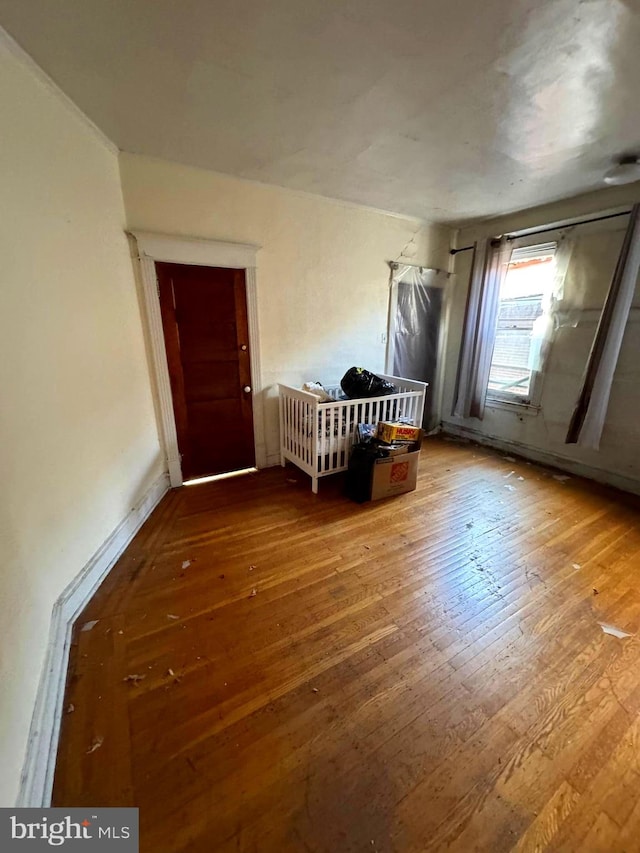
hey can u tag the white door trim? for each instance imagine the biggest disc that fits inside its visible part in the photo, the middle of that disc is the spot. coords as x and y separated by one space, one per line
197 252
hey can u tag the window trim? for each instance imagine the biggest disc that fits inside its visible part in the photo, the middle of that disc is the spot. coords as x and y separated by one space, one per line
519 408
507 400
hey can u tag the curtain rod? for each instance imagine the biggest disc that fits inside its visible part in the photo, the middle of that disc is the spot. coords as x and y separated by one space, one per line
394 265
551 228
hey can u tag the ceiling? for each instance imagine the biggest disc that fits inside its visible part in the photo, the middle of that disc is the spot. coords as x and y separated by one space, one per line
447 110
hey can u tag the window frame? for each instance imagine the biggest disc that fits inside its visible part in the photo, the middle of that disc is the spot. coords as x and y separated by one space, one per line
529 404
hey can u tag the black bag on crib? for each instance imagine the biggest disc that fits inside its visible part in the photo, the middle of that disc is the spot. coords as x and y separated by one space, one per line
358 382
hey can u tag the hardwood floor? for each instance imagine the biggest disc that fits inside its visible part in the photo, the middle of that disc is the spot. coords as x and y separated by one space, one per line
419 674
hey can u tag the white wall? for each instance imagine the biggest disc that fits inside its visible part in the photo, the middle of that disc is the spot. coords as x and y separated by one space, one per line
591 268
322 275
78 438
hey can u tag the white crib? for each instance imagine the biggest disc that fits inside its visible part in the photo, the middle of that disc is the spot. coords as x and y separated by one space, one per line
317 437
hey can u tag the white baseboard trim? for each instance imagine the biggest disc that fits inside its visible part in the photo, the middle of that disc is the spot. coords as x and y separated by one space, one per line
545 457
37 776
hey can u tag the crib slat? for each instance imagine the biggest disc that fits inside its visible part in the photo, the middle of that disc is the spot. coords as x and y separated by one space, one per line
323 438
313 438
334 426
296 431
304 422
327 439
326 414
295 426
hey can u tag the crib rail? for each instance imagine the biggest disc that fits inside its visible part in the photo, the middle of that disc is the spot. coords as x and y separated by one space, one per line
298 441
317 437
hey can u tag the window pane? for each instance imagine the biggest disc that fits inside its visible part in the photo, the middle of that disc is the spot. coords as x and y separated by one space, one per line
522 300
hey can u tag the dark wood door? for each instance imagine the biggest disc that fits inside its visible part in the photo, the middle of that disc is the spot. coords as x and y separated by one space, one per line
206 333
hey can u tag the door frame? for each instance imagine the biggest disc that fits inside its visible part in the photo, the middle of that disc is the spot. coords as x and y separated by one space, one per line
194 251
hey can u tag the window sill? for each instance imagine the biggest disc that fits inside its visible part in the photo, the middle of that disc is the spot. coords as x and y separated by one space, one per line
516 407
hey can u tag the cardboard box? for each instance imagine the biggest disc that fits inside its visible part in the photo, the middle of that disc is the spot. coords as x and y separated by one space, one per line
390 431
394 475
379 470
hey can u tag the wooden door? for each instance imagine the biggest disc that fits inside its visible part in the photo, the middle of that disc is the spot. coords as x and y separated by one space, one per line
206 333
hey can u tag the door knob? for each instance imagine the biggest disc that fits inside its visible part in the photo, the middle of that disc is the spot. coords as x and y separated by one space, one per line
243 347
247 389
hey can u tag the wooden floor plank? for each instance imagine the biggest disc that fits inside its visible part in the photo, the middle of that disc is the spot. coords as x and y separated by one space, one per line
419 674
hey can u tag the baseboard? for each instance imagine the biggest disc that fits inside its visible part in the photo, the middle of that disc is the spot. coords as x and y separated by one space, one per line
37 775
554 460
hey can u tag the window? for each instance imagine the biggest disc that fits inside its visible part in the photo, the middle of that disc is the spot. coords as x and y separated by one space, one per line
525 297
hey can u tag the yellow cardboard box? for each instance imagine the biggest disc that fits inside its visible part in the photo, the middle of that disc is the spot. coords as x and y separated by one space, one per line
390 431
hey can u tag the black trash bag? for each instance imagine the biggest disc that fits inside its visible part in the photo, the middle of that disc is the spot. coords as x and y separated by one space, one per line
358 382
359 474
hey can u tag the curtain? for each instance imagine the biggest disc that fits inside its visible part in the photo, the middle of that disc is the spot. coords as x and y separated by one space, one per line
547 324
589 414
489 268
416 307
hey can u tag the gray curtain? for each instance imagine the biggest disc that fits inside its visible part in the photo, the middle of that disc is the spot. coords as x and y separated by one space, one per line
489 268
590 412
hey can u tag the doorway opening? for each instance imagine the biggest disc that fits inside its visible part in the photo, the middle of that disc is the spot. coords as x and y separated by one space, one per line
206 336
